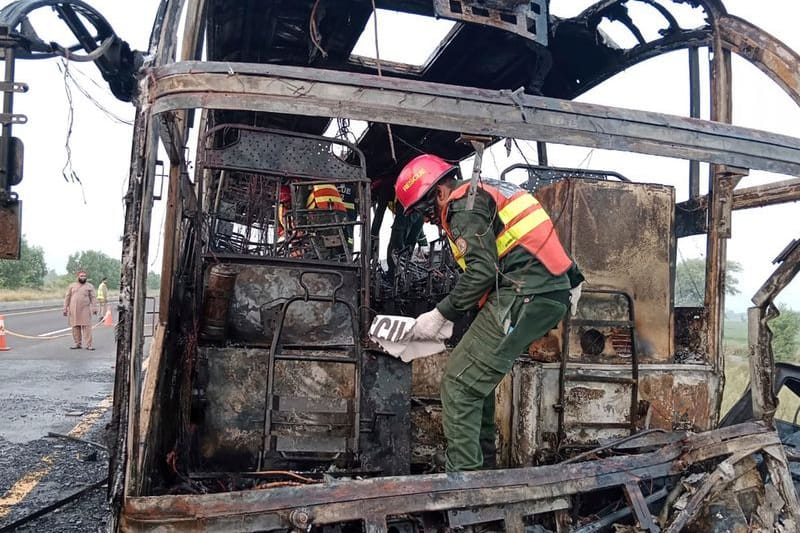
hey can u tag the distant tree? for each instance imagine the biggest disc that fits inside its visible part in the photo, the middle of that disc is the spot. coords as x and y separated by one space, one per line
28 271
690 285
97 266
153 280
785 328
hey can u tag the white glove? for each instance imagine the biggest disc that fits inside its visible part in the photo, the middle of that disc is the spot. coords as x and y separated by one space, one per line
574 297
430 326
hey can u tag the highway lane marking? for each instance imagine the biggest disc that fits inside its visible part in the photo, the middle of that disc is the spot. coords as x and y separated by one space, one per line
49 310
86 423
29 481
54 332
24 486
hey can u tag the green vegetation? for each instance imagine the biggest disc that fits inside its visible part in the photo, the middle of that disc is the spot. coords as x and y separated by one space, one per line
690 275
30 279
153 281
786 334
28 272
786 338
97 266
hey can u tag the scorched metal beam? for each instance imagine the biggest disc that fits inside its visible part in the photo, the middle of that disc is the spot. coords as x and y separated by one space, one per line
304 91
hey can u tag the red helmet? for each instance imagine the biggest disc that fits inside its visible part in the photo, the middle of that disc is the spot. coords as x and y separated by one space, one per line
418 177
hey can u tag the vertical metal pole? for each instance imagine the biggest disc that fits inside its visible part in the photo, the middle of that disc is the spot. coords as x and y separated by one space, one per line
541 151
716 243
694 112
8 109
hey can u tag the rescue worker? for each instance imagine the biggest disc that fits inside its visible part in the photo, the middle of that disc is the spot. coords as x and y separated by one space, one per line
326 197
515 270
324 205
79 305
406 233
102 297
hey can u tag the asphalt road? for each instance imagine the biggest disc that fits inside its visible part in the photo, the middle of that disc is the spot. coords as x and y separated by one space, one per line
46 387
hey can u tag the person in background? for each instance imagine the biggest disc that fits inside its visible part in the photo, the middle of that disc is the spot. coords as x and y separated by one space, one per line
79 304
407 234
102 297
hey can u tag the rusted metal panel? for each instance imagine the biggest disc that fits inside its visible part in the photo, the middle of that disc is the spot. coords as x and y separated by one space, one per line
263 286
233 396
621 236
679 400
427 434
230 390
427 375
274 88
11 234
670 397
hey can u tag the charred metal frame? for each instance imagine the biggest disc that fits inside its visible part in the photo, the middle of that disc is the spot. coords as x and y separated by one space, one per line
279 89
565 377
171 89
521 491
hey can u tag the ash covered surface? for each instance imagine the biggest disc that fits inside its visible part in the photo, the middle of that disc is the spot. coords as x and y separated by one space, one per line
67 467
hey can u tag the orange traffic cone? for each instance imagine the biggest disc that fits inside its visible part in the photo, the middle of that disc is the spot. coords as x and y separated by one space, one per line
108 320
3 346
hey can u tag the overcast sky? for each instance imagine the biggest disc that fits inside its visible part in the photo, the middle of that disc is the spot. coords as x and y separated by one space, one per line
65 217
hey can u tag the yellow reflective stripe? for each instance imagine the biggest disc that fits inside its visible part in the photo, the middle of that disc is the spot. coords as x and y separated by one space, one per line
457 255
517 206
349 205
332 199
511 235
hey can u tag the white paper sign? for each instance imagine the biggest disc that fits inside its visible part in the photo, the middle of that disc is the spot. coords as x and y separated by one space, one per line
389 330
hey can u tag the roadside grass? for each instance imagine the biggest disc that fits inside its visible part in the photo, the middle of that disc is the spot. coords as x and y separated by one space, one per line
17 295
49 293
737 372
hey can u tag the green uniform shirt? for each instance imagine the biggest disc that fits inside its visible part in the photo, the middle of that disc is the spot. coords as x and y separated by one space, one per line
519 271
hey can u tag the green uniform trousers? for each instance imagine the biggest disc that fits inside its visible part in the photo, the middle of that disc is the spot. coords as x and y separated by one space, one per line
503 329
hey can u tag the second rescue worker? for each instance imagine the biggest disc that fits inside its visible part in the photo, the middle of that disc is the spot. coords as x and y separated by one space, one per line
515 269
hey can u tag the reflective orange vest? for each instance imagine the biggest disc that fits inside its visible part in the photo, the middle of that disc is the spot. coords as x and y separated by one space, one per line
325 197
284 203
525 223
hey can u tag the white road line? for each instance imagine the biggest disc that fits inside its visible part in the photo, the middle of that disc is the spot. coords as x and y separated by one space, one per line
56 332
48 310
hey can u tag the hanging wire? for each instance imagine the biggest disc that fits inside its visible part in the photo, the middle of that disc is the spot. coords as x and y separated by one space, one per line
110 114
67 171
587 159
521 152
313 31
380 75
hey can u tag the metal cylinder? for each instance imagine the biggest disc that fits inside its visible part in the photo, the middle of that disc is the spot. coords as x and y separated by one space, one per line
216 300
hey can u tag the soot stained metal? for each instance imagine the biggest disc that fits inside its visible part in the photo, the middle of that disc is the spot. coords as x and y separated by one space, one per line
265 406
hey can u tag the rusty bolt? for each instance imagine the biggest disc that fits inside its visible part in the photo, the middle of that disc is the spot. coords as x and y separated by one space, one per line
301 519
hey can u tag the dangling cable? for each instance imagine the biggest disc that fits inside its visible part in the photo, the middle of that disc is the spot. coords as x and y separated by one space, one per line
380 75
67 171
313 31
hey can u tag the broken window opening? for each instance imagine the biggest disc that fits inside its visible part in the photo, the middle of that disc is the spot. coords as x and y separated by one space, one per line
395 31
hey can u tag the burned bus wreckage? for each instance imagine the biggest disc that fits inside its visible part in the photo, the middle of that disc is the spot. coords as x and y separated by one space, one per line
264 406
